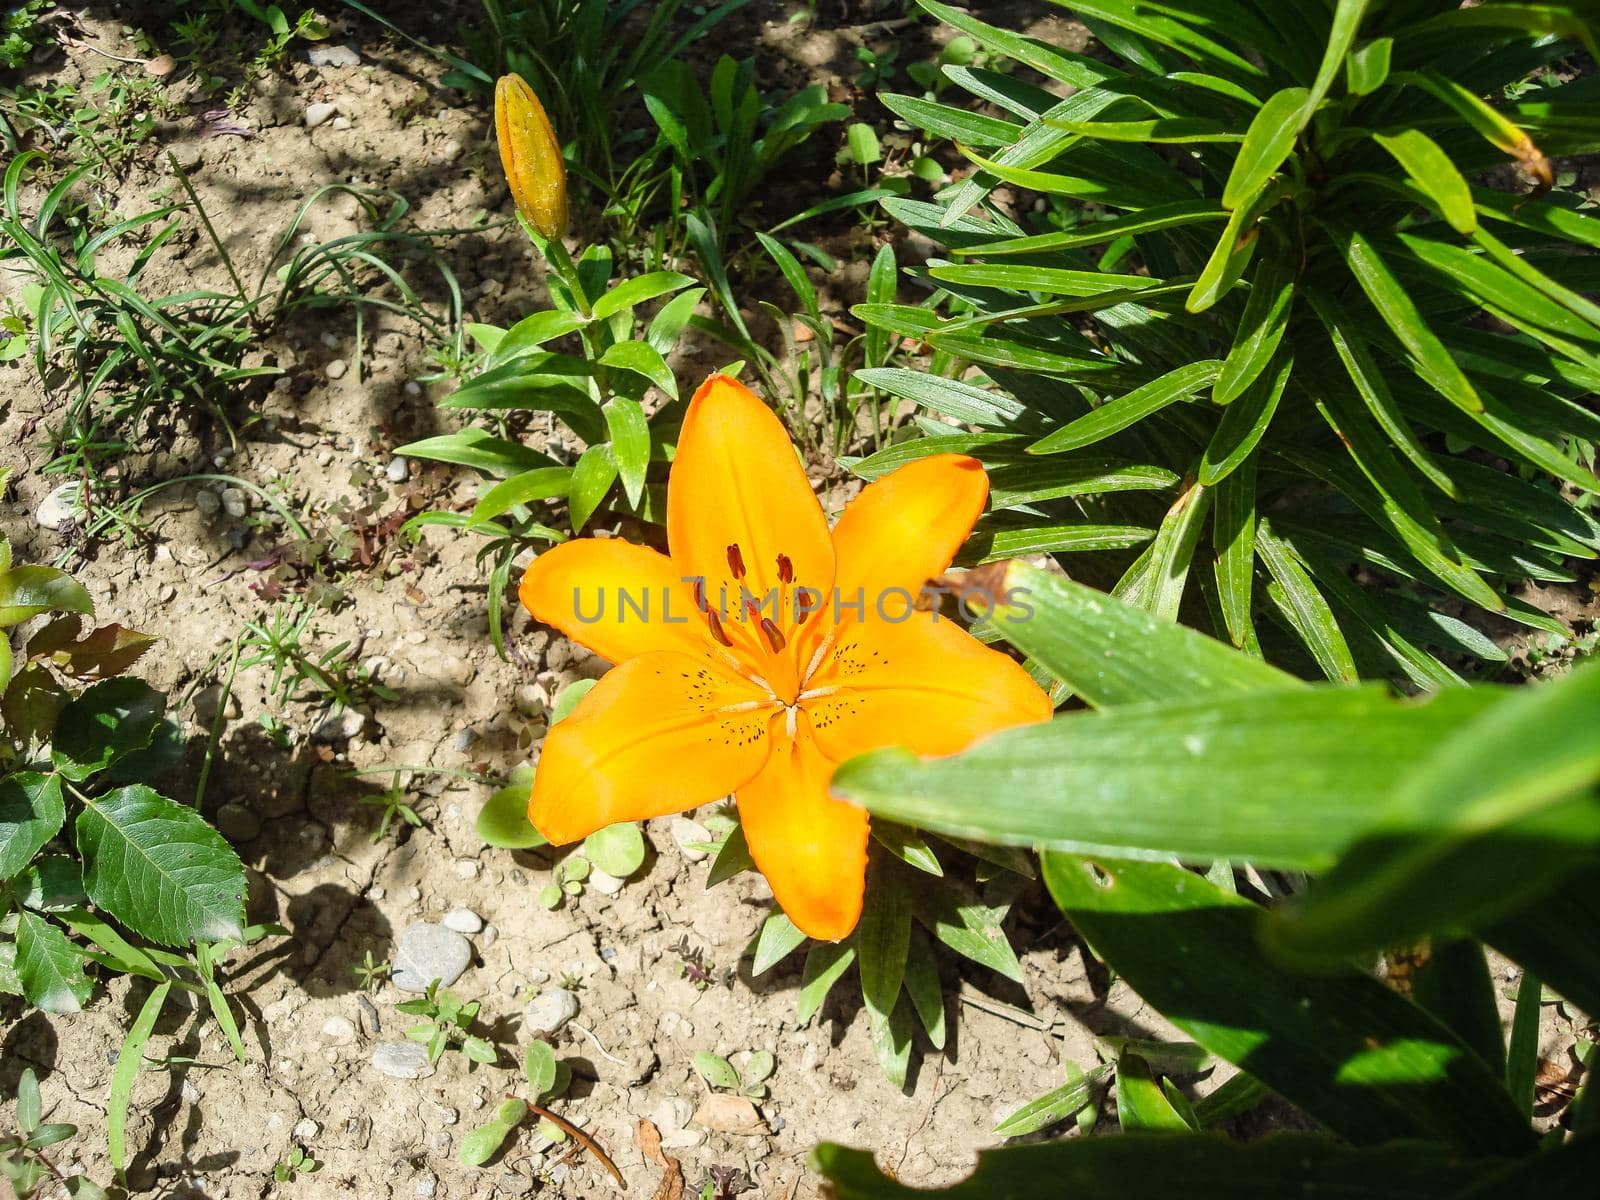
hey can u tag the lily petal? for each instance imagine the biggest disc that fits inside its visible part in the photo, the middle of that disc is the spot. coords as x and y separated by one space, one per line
594 589
736 482
662 733
924 684
811 847
904 529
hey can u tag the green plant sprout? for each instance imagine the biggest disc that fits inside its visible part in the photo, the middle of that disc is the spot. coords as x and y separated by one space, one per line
23 1161
749 1081
298 1163
447 1025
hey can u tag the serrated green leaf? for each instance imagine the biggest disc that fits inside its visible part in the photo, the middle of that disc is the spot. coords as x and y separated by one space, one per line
105 722
49 966
29 590
159 869
31 813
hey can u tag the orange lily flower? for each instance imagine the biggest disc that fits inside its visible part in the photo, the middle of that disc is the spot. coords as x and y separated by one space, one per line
767 651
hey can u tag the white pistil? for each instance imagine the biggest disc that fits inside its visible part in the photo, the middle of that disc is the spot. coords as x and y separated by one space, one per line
791 716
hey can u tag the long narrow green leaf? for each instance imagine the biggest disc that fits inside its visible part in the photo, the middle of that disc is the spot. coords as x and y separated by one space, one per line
1267 143
130 1057
1368 1064
1114 653
1432 360
1430 167
1498 813
1197 1166
1304 607
1234 539
1290 779
1266 316
1130 408
1244 423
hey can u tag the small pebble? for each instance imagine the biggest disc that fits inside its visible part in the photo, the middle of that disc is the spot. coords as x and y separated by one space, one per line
305 1130
468 868
340 726
397 470
606 885
206 501
337 368
463 920
317 114
686 833
332 56
427 952
489 937
402 1060
339 1030
234 502
548 1012
61 507
427 1184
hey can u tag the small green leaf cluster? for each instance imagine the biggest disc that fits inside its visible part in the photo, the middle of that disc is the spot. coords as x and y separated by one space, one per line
297 1164
1274 329
749 1080
22 1160
447 1025
548 1077
909 898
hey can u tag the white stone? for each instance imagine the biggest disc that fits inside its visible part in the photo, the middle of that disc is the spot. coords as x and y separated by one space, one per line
305 1130
686 833
337 368
317 114
548 1012
463 920
339 1030
397 470
606 885
62 507
332 56
340 726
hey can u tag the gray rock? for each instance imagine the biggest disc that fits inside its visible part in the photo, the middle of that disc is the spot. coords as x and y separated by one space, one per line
234 502
332 56
208 700
340 726
402 1060
606 885
61 507
686 833
238 823
337 368
427 1184
397 470
207 502
318 114
548 1012
463 920
427 952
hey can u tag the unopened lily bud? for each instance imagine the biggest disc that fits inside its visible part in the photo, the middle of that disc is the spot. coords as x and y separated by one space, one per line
531 155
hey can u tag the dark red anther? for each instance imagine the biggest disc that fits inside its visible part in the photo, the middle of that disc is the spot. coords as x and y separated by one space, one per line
773 634
700 594
717 630
735 561
752 610
785 569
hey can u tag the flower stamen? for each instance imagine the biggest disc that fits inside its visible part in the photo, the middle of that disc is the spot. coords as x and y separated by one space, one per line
735 561
785 569
717 631
773 634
